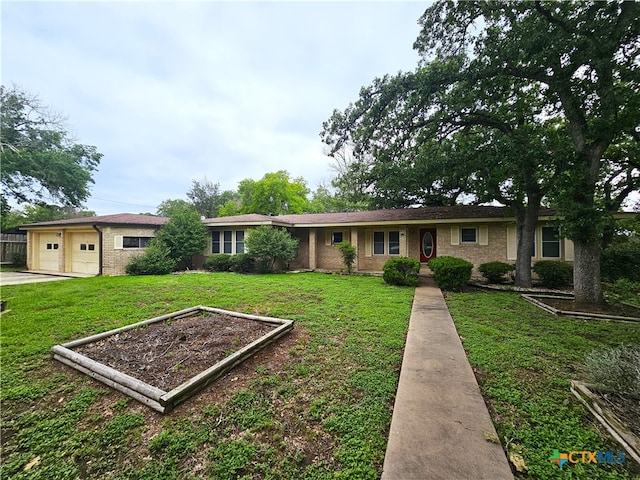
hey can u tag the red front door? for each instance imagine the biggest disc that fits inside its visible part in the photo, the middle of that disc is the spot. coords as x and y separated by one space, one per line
427 244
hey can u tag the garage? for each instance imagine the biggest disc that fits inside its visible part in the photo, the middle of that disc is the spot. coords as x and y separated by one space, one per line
48 252
84 256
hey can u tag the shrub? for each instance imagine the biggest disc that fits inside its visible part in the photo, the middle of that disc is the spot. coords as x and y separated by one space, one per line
267 245
218 263
401 271
348 253
185 235
494 272
623 290
554 273
621 260
616 369
242 263
451 273
156 260
19 259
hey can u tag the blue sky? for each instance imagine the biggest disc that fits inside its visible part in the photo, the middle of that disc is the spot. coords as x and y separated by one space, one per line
170 92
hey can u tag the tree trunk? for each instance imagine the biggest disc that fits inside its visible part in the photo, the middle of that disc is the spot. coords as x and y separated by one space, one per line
526 221
587 285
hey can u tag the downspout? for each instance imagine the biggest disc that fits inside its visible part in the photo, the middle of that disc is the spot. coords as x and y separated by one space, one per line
95 227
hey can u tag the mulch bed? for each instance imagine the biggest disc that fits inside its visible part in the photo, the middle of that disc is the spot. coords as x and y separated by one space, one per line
168 353
568 305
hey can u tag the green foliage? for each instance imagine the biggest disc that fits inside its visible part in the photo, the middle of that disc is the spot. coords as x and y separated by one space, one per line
19 259
494 272
219 262
554 273
268 245
171 208
242 263
451 273
616 369
401 271
155 260
206 198
185 235
348 253
39 160
623 291
12 218
274 194
621 260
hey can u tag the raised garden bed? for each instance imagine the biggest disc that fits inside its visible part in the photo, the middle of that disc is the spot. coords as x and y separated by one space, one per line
563 305
616 423
164 360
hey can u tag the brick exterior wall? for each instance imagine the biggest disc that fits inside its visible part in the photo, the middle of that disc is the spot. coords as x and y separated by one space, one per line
115 260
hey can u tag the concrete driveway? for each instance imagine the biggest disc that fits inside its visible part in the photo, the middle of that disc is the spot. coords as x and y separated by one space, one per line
17 278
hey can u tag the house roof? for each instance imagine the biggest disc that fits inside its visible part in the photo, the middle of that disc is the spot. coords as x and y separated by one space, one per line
116 219
371 217
400 215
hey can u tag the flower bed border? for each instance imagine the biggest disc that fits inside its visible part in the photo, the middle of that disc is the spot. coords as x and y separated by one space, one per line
533 299
626 438
156 398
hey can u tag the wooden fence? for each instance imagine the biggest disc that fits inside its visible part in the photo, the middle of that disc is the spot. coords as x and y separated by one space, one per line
12 244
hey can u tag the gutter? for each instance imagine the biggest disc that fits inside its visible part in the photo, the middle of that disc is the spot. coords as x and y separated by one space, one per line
95 227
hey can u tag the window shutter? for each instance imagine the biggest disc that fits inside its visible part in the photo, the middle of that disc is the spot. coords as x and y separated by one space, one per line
568 250
512 243
327 237
368 250
483 235
117 242
403 242
455 235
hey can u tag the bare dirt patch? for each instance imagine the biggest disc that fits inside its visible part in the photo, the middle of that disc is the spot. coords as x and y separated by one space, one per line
168 353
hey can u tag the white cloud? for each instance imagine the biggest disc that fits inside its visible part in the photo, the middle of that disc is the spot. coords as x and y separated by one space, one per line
171 92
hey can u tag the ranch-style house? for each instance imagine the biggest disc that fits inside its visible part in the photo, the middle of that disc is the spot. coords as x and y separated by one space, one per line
102 245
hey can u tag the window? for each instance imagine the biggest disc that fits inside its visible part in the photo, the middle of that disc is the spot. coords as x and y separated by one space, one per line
239 241
468 235
336 238
91 247
550 242
135 242
227 242
215 242
386 243
83 246
378 243
223 241
394 243
52 246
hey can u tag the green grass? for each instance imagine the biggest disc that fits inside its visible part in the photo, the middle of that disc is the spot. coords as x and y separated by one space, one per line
525 359
322 413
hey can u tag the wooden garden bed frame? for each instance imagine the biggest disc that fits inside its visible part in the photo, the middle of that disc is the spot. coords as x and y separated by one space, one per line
154 397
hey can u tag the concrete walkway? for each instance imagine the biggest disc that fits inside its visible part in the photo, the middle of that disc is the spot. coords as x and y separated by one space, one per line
440 422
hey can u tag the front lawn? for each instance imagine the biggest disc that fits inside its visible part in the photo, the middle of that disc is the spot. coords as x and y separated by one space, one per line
316 405
524 359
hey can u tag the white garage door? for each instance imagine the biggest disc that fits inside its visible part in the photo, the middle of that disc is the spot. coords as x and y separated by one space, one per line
84 253
48 252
